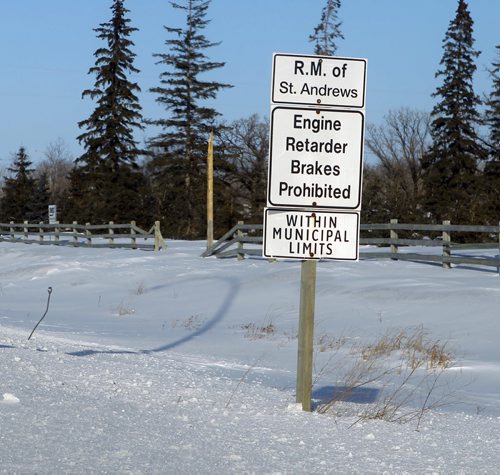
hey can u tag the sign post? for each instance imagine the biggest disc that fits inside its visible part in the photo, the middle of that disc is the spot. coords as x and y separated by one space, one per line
314 177
306 334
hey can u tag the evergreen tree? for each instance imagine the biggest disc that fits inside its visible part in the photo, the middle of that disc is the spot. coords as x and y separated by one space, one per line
106 181
18 190
492 168
180 149
39 200
450 168
328 30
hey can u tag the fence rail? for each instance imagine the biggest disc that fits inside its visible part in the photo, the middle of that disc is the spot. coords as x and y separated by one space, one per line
83 235
246 239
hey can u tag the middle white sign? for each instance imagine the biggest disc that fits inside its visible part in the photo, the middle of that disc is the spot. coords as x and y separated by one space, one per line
315 158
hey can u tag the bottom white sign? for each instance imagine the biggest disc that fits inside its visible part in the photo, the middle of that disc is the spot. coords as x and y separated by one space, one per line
311 234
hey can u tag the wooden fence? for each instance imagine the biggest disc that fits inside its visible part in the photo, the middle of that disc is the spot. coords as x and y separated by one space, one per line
246 239
83 235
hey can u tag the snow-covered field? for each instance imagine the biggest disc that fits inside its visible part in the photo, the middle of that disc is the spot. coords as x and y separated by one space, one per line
152 363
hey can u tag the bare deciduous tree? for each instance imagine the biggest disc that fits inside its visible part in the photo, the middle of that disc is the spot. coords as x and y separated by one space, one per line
57 165
246 143
398 146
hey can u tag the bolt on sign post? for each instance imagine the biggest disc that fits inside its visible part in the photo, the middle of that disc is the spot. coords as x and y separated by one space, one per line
210 191
314 176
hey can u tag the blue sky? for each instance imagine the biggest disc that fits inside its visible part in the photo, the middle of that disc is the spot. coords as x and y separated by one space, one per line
48 47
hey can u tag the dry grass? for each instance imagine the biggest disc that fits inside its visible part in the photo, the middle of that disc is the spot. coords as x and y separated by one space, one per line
257 332
405 367
122 310
141 289
193 322
327 342
415 348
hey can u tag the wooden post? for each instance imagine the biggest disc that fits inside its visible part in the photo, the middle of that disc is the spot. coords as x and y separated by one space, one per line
111 231
56 232
210 191
306 334
132 234
446 246
25 230
88 234
12 232
498 268
75 235
158 237
394 235
240 253
40 231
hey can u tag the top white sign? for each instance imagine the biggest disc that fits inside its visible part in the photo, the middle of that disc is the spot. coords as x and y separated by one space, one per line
319 80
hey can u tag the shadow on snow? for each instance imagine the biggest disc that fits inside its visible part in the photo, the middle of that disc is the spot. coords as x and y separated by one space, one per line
220 313
361 395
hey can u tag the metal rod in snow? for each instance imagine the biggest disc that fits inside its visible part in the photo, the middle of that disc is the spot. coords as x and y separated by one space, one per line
49 290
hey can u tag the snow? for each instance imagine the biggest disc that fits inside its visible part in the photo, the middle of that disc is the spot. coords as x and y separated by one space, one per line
159 363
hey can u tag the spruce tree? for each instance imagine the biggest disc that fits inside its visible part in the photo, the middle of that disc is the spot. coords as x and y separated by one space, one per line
106 181
180 148
328 30
39 201
493 110
492 168
19 189
450 168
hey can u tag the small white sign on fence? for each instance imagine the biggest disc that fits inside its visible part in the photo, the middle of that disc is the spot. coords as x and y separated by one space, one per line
52 214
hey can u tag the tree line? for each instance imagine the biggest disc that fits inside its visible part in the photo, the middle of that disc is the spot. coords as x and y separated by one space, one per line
428 166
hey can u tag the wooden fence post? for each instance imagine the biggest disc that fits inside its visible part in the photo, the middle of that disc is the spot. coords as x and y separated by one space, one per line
56 231
158 237
132 234
210 191
111 232
498 268
394 235
12 232
40 231
88 234
75 236
25 230
446 246
240 253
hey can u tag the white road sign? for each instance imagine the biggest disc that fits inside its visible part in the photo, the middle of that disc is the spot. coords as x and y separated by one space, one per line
315 158
319 80
52 214
311 234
